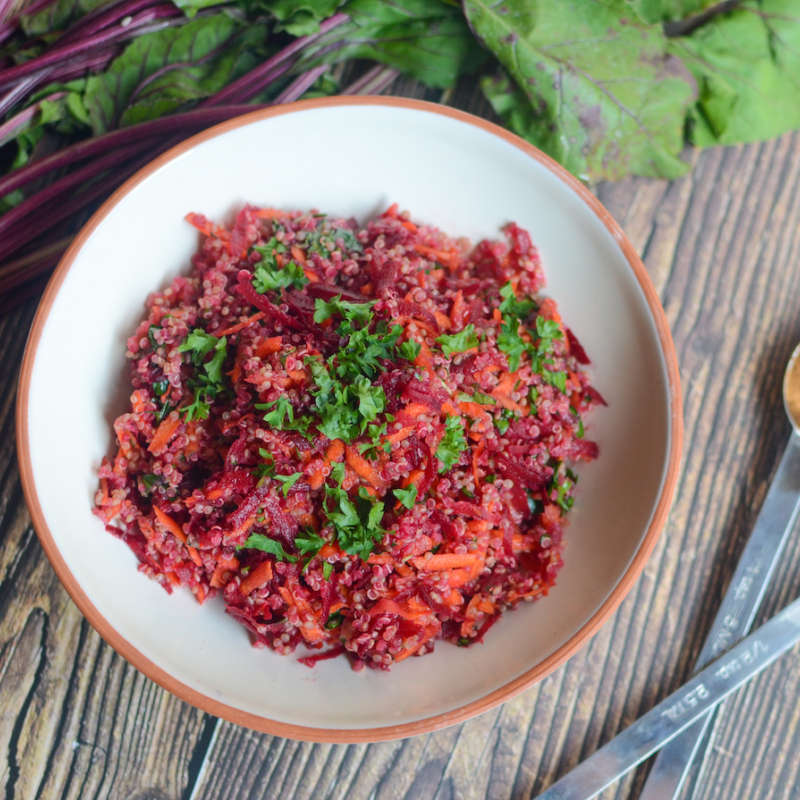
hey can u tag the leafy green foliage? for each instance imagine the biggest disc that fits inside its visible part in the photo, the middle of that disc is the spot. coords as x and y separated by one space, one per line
427 39
406 496
57 15
596 90
287 481
161 71
257 541
208 381
562 484
357 522
747 66
280 414
309 543
458 342
345 395
453 443
515 312
268 276
409 349
297 17
663 10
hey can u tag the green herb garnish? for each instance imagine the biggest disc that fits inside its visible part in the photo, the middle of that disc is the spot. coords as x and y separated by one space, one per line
406 496
453 443
257 541
458 342
208 380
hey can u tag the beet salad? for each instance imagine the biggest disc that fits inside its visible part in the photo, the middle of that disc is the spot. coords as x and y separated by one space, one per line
360 437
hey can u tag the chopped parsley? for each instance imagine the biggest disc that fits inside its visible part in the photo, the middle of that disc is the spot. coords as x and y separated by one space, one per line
268 276
515 312
160 387
563 481
151 336
208 381
505 419
406 496
357 522
513 307
288 481
409 349
324 240
346 396
327 570
557 379
548 330
335 619
280 415
370 449
150 481
257 541
458 342
309 543
453 443
580 431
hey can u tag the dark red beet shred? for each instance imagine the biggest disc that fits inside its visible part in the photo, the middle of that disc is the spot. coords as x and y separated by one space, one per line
359 437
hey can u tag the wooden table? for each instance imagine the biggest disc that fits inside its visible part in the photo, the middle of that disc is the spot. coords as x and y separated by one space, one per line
722 246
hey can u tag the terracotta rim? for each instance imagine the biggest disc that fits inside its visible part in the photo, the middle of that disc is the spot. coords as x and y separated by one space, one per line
503 693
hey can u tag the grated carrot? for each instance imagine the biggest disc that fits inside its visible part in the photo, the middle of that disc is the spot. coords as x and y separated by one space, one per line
260 576
445 561
240 325
268 346
164 433
170 524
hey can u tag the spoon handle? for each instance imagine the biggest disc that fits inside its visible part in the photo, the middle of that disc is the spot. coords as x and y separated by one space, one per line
736 612
678 711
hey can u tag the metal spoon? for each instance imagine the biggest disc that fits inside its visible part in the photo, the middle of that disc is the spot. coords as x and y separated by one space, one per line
734 618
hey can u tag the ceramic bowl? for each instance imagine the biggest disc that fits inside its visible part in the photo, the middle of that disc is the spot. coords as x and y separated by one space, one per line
347 157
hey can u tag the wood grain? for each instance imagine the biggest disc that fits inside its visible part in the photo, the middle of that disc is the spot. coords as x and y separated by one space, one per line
722 246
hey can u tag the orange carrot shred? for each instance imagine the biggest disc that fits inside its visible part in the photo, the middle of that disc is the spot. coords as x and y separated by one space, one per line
260 576
164 433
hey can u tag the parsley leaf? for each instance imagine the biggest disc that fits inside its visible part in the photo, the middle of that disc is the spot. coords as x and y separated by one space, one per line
453 443
290 276
547 330
257 541
458 342
409 349
199 344
327 570
562 483
557 379
280 415
335 619
356 523
406 496
309 543
511 343
354 313
371 397
505 419
511 306
268 276
277 411
345 395
210 382
288 481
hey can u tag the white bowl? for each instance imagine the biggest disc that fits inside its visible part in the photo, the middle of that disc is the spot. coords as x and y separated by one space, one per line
346 156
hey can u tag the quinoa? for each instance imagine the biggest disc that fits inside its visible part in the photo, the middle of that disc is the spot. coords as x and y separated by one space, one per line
360 437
